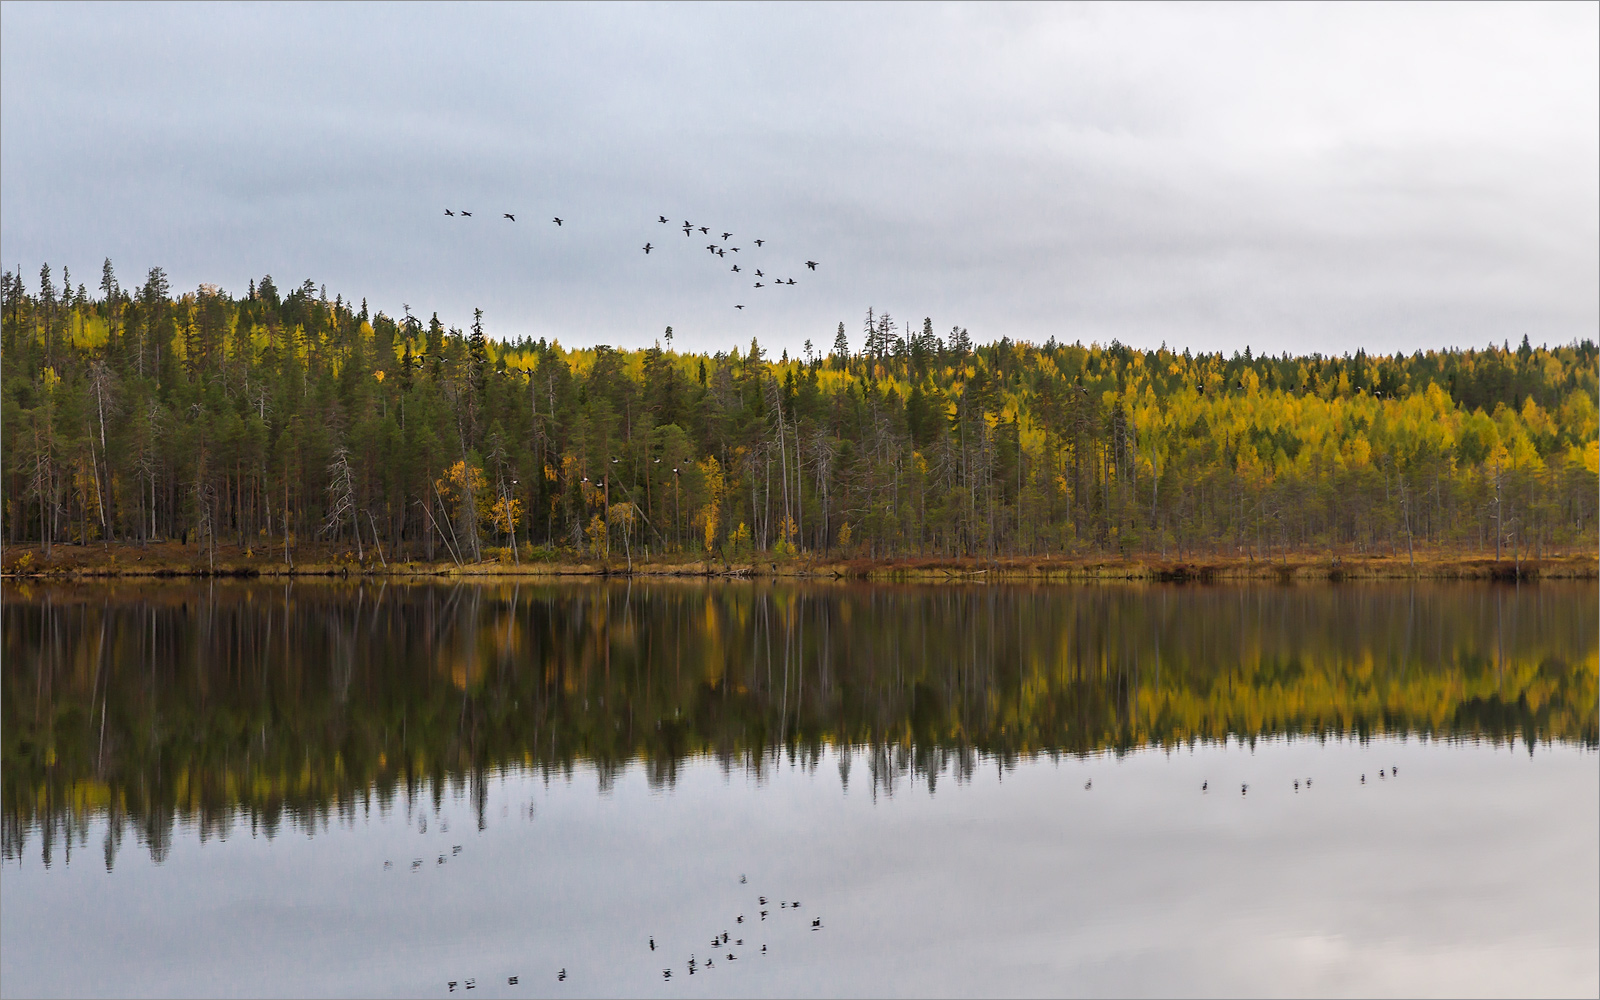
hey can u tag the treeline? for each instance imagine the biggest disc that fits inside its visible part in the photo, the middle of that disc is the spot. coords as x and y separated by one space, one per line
267 420
292 703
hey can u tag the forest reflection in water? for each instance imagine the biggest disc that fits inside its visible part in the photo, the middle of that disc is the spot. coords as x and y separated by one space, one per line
155 704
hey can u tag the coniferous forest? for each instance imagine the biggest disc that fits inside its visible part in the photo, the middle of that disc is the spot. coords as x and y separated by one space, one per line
274 420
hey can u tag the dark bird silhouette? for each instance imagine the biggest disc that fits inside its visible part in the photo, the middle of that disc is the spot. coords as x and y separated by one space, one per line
1392 772
724 937
1243 789
816 924
739 942
663 219
739 919
762 900
556 220
703 229
789 282
738 307
508 215
726 235
1308 782
759 242
722 253
759 274
652 943
666 973
1203 785
730 956
455 850
811 264
687 229
763 949
741 880
561 976
1380 774
466 213
759 285
449 213
736 268
1363 779
1297 785
1088 784
763 914
648 248
795 904
511 980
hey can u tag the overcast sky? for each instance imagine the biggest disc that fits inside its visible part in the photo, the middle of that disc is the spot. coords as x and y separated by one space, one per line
1291 177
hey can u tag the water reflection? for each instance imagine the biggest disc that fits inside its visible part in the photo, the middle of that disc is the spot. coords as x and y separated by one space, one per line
150 705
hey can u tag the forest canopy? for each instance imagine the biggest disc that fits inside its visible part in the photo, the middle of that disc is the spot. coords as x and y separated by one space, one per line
272 419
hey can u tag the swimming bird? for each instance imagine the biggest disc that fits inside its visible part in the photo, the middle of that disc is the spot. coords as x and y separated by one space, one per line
1308 782
711 963
736 268
508 215
1392 772
741 880
449 213
739 919
726 235
466 213
647 248
811 264
795 904
1243 789
556 220
1088 784
652 942
666 973
561 976
724 937
687 229
759 274
739 942
762 900
1380 773
730 956
511 980
789 282
759 242
760 285
763 914
1297 785
783 904
1363 779
734 249
738 307
1203 785
703 229
816 924
721 252
763 949
663 219
455 850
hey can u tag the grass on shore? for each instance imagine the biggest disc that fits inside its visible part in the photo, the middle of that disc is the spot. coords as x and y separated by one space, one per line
163 559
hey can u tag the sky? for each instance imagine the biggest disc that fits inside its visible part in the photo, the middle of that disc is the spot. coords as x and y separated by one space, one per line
1288 177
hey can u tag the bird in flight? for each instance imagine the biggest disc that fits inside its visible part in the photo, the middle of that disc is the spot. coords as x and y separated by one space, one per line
759 242
722 253
759 285
734 249
736 268
738 307
647 248
663 219
508 215
759 274
449 213
789 282
556 220
466 213
811 264
703 229
726 235
711 247
687 229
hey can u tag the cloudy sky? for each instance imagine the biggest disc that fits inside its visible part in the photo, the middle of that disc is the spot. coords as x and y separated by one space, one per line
1294 177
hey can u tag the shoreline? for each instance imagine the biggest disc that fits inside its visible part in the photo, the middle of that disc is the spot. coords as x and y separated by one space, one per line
115 561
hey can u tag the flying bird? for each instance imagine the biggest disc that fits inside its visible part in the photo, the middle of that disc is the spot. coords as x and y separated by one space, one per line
811 264
663 219
556 220
722 253
758 284
789 282
759 242
508 215
647 248
738 307
726 235
734 249
687 229
736 268
449 213
759 274
466 213
703 229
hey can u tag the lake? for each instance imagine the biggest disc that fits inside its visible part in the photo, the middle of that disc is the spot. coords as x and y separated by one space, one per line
504 789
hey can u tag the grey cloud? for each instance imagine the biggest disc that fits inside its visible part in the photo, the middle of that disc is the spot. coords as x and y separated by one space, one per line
1291 178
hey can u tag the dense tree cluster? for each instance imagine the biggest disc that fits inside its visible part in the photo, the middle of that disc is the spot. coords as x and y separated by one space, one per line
272 418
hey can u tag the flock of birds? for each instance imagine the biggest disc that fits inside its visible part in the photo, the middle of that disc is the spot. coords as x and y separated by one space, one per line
723 943
719 247
1244 788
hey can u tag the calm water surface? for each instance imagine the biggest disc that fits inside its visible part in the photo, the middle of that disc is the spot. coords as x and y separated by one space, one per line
323 789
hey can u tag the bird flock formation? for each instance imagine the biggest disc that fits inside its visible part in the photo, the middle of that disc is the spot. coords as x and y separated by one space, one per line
726 946
719 247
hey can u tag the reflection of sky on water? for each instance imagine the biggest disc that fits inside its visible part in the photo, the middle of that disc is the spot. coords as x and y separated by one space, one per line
1473 872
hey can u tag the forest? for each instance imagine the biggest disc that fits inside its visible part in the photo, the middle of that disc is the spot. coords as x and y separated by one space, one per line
269 422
